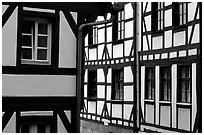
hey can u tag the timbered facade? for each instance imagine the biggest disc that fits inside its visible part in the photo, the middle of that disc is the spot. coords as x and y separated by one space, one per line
40 65
170 67
109 87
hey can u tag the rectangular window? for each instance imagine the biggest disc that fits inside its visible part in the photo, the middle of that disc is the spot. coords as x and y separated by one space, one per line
117 84
118 26
157 16
149 83
165 84
36 41
184 83
93 36
180 13
92 84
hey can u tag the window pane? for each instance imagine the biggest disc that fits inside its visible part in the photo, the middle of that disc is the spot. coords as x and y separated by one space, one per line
183 96
26 53
26 40
188 96
42 54
42 41
27 26
42 28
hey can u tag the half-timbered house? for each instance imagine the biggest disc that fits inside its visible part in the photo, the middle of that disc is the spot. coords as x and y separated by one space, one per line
40 65
170 67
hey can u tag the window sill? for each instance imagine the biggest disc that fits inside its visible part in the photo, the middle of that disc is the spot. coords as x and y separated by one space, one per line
183 104
149 101
32 62
165 102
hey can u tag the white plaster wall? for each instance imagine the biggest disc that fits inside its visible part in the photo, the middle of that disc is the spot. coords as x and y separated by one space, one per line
128 11
128 93
118 51
109 47
168 39
101 35
91 107
128 46
109 75
128 75
86 75
196 34
100 51
11 126
67 44
129 29
148 23
117 110
100 91
100 75
38 85
92 54
9 40
167 3
108 96
99 107
168 18
179 38
127 111
157 42
191 10
60 126
85 90
109 34
4 7
145 42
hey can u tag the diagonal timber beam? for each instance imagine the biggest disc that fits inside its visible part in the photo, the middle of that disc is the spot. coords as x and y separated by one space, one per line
6 117
65 121
7 14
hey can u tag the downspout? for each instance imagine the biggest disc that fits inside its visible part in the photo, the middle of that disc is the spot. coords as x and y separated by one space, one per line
80 65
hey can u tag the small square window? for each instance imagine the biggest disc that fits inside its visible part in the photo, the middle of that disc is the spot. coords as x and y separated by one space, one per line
92 84
117 84
36 41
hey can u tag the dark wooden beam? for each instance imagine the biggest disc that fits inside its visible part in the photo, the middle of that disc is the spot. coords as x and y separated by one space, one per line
71 22
65 121
7 14
6 117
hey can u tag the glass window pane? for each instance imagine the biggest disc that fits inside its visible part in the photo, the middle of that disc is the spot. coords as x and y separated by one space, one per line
26 40
26 53
27 26
42 54
42 41
183 96
188 96
42 28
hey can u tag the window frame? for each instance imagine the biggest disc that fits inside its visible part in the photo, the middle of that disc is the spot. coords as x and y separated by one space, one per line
152 80
92 84
35 47
168 80
187 80
117 94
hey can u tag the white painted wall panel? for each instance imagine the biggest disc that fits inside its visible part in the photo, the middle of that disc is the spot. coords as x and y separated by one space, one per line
128 46
92 54
11 126
182 53
196 34
86 75
148 22
117 110
127 111
9 40
128 76
179 38
100 105
86 40
67 44
128 93
85 90
109 34
118 51
109 47
100 91
91 107
165 116
101 35
167 3
150 113
191 10
38 85
4 7
194 95
108 96
145 42
109 76
128 11
168 39
100 51
168 18
184 117
128 29
174 93
60 126
157 42
100 75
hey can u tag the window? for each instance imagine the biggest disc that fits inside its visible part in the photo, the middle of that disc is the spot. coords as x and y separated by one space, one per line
36 124
117 84
184 84
93 36
92 84
36 41
180 13
165 84
118 26
157 16
149 80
